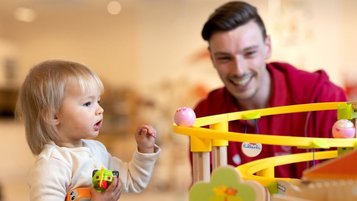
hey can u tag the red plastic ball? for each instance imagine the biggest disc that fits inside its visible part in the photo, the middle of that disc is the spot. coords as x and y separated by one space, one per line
184 116
343 128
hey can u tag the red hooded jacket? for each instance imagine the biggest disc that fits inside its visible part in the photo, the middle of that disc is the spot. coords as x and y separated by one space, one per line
290 86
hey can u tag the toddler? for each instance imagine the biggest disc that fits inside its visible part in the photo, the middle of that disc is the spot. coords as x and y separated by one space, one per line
59 103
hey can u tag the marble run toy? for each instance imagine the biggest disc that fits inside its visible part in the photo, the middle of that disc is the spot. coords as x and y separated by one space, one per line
210 135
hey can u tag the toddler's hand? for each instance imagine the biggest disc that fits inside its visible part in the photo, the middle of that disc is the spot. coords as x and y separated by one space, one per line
112 193
145 138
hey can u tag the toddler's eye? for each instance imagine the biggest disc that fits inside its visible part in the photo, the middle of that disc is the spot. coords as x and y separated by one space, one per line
87 104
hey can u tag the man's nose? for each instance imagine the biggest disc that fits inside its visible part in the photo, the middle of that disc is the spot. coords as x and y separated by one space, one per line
239 65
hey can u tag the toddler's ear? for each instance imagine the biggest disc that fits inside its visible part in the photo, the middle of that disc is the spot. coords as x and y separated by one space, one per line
52 120
49 117
55 120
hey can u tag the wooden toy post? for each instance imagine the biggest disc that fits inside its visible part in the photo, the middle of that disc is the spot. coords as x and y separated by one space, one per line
219 150
201 149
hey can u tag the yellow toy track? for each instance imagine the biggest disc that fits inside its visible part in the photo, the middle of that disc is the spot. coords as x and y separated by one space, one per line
202 139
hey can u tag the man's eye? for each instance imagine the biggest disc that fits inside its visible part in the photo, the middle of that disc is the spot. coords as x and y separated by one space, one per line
87 104
250 53
223 59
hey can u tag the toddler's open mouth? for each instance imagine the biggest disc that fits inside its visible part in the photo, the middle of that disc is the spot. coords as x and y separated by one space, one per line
98 125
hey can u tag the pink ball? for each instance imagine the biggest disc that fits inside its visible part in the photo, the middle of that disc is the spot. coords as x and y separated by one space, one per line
184 116
343 129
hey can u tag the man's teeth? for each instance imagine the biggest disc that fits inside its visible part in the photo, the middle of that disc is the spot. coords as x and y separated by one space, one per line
241 81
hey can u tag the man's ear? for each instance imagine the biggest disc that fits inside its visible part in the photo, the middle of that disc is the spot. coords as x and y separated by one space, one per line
209 52
267 47
211 57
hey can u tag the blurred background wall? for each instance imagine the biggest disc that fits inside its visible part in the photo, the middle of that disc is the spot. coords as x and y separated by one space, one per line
152 60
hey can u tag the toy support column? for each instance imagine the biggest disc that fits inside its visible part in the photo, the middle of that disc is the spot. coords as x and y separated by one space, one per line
219 149
347 111
354 108
201 149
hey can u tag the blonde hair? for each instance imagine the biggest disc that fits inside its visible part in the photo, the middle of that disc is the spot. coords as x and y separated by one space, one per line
42 94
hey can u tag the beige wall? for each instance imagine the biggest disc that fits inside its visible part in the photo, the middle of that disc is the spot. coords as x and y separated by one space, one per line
154 40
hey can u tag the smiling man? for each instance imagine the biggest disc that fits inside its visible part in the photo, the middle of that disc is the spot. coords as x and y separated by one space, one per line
239 47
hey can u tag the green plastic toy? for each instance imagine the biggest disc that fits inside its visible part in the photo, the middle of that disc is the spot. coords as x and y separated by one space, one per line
101 179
